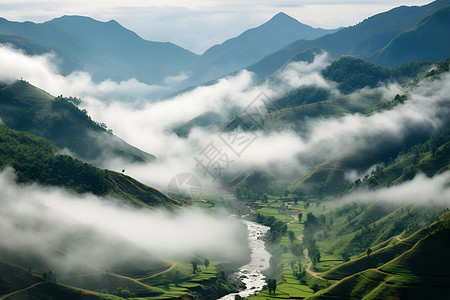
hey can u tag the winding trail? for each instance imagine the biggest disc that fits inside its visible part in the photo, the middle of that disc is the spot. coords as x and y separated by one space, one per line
18 291
159 273
310 271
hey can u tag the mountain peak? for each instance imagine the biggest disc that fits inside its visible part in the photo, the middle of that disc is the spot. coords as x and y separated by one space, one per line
282 17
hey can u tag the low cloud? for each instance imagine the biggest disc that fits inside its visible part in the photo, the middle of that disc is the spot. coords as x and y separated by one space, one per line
420 190
39 218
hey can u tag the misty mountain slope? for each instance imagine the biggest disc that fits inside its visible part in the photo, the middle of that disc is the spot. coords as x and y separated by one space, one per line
35 159
27 108
251 46
429 39
104 49
13 278
416 274
361 40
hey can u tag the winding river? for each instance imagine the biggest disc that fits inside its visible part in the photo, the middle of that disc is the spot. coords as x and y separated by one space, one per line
251 274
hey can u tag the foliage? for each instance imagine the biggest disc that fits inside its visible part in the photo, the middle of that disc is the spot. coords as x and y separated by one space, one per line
36 159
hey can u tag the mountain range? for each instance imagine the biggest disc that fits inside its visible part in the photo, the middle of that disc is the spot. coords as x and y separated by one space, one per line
107 50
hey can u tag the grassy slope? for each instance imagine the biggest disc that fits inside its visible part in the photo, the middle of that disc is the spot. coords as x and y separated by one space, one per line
110 282
35 159
417 273
54 291
13 278
27 108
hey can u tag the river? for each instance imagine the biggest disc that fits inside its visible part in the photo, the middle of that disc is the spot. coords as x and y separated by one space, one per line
251 274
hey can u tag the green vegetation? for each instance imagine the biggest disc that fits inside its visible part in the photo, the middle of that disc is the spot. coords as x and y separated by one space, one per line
26 108
55 291
13 278
415 274
36 159
113 284
352 73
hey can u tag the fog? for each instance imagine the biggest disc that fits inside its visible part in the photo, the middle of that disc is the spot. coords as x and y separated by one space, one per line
147 122
421 190
101 232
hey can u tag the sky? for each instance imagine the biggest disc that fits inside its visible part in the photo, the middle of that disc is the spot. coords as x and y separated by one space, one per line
199 24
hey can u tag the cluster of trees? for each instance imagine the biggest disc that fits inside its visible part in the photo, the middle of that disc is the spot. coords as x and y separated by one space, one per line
49 276
353 73
312 225
277 228
249 193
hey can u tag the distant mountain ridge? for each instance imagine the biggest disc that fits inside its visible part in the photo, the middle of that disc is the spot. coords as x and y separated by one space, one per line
107 50
251 46
104 49
363 39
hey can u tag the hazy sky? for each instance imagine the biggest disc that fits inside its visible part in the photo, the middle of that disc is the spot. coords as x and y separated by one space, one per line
199 24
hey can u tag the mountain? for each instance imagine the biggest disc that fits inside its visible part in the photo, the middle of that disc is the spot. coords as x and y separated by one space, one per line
36 159
104 49
429 38
28 108
361 40
251 46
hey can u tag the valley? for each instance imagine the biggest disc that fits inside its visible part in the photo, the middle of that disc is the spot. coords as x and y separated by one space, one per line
288 162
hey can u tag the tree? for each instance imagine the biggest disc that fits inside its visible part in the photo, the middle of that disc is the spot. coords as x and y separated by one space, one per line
194 267
291 235
300 216
345 257
206 263
368 252
271 285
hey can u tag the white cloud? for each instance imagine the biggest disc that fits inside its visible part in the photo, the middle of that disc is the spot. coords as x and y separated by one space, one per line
421 190
62 214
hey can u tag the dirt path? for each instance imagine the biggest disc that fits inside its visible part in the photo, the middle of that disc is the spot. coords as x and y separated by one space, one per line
398 237
309 268
159 273
15 292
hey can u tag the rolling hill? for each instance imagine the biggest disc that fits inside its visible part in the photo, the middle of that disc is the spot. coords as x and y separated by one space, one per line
416 274
37 160
27 108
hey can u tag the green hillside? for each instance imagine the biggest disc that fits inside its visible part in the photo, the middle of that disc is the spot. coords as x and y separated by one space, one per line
55 291
416 274
27 108
36 159
13 278
429 39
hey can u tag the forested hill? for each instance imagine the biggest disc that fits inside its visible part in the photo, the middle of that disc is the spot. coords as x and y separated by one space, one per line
27 108
35 159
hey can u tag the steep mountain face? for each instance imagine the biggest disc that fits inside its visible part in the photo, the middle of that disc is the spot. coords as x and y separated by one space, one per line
429 39
252 45
361 40
27 108
105 49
